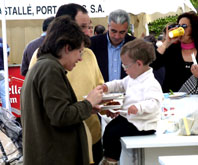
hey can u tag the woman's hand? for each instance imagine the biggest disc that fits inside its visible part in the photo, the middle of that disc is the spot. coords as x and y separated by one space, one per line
95 96
194 70
168 41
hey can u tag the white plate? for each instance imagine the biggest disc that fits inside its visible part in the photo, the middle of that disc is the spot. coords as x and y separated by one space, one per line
177 94
107 107
110 96
120 111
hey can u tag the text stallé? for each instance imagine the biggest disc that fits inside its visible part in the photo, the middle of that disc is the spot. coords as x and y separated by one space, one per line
18 10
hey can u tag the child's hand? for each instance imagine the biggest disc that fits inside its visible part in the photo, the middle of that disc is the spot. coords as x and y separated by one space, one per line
105 88
96 109
132 110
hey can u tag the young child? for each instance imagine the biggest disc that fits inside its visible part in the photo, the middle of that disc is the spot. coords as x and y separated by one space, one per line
143 98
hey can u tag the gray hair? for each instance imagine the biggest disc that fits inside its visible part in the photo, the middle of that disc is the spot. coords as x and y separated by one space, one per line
119 17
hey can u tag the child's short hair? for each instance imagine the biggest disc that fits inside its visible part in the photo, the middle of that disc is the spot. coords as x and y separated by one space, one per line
138 49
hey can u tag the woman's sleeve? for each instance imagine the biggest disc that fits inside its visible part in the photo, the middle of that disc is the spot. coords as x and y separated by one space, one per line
59 100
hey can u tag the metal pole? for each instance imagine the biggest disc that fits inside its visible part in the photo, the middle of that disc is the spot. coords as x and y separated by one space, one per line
5 55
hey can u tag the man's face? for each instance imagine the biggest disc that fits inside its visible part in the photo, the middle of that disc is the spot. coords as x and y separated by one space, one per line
83 21
117 32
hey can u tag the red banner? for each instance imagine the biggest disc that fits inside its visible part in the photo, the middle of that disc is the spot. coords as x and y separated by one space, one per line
15 85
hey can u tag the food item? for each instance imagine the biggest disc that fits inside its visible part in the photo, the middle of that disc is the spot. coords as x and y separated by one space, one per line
113 103
171 92
103 112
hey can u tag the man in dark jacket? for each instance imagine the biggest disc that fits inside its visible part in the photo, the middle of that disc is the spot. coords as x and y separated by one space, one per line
32 46
107 46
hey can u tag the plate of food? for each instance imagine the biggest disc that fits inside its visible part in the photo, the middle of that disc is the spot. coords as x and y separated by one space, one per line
177 94
111 105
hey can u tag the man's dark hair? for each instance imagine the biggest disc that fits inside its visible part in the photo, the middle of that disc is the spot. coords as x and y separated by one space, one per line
99 29
150 38
46 23
70 9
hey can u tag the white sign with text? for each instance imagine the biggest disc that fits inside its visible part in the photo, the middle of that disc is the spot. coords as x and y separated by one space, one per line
34 9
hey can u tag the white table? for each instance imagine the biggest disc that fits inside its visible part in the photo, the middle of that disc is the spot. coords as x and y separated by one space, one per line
145 150
181 160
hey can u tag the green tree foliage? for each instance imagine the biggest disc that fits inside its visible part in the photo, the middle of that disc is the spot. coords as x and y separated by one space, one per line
156 27
194 3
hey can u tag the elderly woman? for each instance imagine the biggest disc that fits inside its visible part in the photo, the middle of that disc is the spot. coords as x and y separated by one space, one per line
53 131
175 53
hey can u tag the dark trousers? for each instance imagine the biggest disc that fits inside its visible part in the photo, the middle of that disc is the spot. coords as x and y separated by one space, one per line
97 149
97 152
117 128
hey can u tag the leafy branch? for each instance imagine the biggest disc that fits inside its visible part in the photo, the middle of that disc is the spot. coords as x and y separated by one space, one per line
156 27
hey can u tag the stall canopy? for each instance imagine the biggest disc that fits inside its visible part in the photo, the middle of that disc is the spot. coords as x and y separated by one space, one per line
150 6
141 11
32 9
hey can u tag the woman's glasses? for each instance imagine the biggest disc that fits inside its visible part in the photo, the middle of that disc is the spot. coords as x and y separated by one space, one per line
183 25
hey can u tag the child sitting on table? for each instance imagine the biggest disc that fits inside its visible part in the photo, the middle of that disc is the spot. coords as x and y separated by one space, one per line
143 98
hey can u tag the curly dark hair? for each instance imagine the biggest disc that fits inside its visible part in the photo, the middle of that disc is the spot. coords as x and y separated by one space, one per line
193 17
62 31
